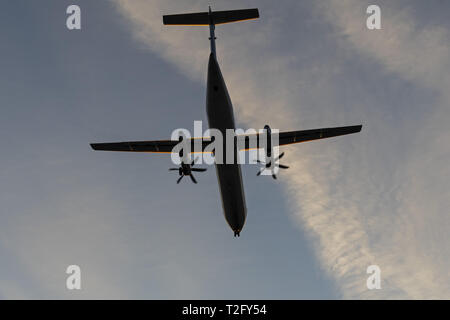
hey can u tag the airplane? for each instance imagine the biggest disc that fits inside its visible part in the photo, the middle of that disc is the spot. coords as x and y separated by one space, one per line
220 116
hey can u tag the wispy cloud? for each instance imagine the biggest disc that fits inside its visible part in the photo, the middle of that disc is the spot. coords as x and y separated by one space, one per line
377 198
414 252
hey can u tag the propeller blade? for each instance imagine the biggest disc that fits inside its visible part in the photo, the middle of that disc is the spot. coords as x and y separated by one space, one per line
192 178
283 166
280 156
198 169
174 169
179 179
259 161
194 161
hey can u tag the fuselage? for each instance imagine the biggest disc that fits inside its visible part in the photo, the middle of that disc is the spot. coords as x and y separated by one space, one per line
219 110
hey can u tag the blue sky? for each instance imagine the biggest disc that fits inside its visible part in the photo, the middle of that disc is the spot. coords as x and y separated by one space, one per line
379 197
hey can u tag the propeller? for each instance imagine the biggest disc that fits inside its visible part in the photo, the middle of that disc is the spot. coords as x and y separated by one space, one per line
267 166
186 169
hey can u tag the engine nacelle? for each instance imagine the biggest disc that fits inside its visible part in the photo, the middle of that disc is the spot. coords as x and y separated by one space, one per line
268 147
270 163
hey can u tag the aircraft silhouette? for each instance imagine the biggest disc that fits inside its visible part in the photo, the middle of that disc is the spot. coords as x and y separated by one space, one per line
220 116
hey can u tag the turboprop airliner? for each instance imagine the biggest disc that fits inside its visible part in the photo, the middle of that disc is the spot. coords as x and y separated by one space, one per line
220 116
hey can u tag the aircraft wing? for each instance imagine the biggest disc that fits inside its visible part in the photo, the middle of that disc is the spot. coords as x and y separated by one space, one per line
166 146
157 146
291 137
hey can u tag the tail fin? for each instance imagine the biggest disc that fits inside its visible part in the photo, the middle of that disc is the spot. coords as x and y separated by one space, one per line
210 18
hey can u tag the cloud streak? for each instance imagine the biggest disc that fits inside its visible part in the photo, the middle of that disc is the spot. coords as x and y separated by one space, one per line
359 205
417 262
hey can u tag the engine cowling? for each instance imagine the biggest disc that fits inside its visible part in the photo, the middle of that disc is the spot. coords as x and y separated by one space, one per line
270 162
268 148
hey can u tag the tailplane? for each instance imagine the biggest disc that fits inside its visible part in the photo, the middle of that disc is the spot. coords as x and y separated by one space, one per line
211 17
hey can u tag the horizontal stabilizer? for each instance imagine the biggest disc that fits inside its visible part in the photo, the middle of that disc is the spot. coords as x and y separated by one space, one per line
207 18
